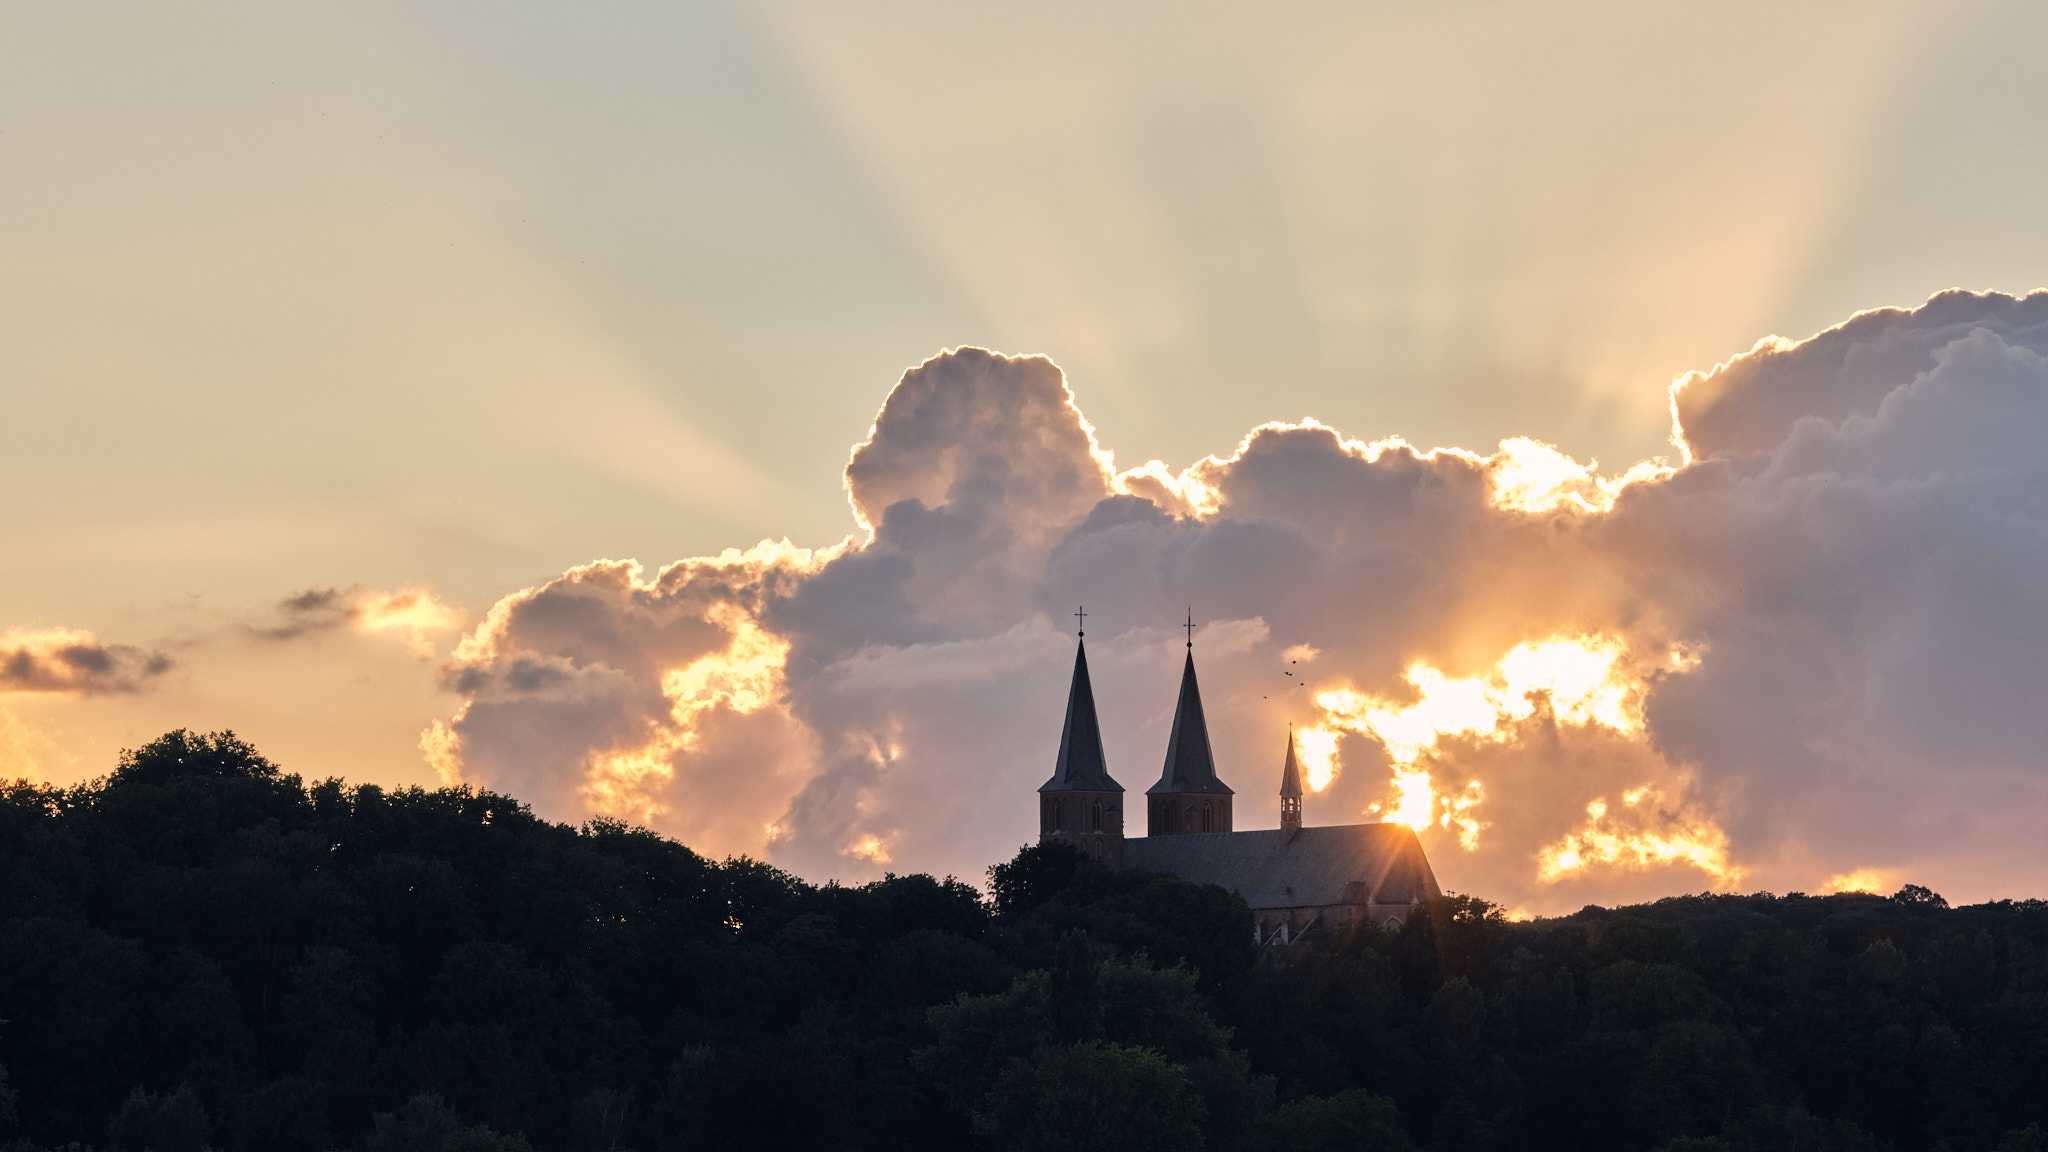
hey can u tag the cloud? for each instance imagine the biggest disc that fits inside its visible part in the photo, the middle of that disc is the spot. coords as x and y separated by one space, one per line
1870 593
69 662
1805 650
1750 405
660 700
413 614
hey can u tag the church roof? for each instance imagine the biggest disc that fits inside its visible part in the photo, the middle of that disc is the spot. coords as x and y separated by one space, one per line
1081 766
1314 867
1189 766
1290 773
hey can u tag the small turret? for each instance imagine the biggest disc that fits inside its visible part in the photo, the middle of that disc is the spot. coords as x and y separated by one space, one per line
1290 790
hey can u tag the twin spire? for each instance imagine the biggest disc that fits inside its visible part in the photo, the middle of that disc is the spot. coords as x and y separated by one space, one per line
1081 767
1189 796
1190 767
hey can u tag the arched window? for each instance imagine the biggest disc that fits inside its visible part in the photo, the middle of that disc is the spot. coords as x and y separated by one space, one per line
1095 817
1059 814
1208 818
1189 819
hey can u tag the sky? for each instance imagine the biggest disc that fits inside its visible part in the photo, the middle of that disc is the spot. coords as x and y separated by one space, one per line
349 353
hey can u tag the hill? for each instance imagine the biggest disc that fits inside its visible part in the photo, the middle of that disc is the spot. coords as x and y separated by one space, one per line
204 951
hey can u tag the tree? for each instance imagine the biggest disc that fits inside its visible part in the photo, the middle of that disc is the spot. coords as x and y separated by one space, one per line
425 1124
979 1040
174 1122
1353 1121
183 754
1093 1097
2028 1139
1035 875
1772 1129
599 1120
1915 896
301 969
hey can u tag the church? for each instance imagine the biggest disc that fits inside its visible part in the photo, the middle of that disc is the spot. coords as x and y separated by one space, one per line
1300 880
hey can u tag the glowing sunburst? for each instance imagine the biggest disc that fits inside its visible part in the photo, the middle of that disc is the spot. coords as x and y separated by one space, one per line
1586 681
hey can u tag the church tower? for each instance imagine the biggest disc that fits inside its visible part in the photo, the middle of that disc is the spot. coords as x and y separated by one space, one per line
1290 791
1188 797
1082 804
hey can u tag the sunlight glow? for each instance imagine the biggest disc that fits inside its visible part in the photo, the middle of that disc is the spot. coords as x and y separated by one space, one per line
1185 491
441 744
1642 833
1530 476
743 678
1416 802
869 847
1585 681
1316 750
21 748
1876 881
413 613
1582 679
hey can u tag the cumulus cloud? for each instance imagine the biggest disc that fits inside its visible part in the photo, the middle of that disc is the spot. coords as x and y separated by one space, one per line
1749 405
1804 653
69 662
660 700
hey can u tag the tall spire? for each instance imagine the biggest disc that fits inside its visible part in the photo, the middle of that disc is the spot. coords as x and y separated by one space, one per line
1189 765
1081 766
1290 789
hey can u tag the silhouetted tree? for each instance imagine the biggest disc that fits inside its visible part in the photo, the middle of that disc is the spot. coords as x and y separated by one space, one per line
1093 1097
1035 875
173 1122
201 950
425 1124
1353 1121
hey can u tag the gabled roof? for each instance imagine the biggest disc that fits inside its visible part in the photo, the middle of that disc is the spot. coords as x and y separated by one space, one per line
1189 766
1081 766
1315 867
1290 773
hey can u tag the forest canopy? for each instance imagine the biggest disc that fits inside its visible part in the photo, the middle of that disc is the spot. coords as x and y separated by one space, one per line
204 951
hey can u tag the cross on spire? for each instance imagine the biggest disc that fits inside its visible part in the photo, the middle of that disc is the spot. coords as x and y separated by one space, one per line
1191 626
1081 614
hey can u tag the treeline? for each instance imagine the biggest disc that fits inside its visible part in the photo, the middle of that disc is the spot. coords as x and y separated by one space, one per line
204 952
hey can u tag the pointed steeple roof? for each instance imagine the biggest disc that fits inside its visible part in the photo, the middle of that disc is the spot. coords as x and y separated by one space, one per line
1189 766
1081 767
1290 773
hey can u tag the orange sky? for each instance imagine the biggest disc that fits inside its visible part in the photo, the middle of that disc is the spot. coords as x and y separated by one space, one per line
330 328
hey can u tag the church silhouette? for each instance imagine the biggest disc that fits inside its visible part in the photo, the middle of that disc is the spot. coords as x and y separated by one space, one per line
1300 881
